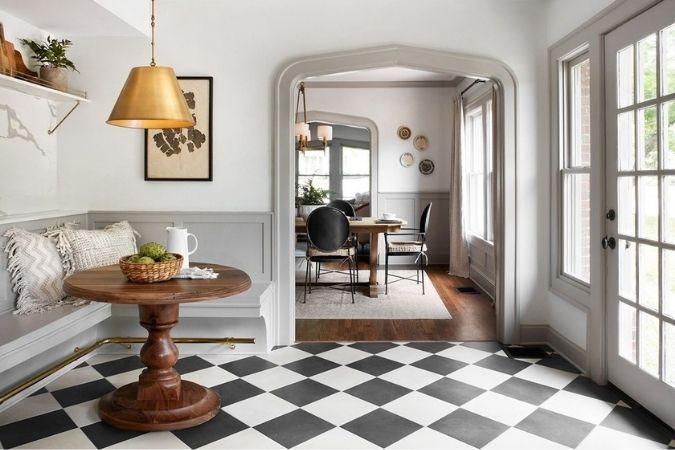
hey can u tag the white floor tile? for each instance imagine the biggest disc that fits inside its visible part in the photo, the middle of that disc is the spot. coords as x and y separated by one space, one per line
515 439
344 355
100 358
426 438
337 438
159 439
420 408
403 354
499 407
578 406
602 438
286 355
411 377
74 377
479 376
261 408
222 359
273 378
29 407
124 378
248 438
339 408
84 414
70 439
209 377
342 378
464 354
548 376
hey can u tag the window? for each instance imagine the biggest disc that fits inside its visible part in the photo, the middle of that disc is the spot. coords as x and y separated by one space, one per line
478 167
575 170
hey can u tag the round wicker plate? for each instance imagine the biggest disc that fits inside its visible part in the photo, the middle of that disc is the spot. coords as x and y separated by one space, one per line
151 273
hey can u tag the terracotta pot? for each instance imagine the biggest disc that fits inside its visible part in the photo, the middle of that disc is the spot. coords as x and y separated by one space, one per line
56 77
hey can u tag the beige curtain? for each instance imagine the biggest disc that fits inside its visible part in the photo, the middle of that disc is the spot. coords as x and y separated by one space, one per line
459 249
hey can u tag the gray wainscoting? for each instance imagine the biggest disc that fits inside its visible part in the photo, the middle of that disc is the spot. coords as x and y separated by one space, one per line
242 240
409 206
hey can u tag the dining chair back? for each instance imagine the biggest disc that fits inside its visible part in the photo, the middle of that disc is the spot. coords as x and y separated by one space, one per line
424 220
343 206
327 228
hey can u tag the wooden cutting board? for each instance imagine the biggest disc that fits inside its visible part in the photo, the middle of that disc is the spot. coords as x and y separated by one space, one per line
11 60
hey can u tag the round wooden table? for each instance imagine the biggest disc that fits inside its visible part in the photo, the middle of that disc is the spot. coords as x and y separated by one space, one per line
159 400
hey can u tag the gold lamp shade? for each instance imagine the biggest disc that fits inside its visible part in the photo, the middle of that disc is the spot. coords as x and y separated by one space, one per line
151 98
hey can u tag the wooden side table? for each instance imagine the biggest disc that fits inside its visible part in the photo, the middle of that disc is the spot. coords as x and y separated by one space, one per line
159 400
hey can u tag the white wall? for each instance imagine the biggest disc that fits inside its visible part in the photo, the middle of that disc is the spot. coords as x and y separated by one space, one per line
564 16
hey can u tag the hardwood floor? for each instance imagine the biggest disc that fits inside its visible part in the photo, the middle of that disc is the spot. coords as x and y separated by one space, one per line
473 319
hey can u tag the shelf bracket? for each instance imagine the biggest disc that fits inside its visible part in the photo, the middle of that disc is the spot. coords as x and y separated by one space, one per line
77 103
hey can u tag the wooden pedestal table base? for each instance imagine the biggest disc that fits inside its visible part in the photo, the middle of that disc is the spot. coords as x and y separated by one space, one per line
159 400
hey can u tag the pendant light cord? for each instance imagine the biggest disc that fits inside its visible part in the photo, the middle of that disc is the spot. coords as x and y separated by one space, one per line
152 26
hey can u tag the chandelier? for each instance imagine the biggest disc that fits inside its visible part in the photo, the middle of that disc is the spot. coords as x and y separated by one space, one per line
303 135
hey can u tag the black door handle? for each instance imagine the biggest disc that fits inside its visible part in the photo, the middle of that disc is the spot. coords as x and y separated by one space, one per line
608 242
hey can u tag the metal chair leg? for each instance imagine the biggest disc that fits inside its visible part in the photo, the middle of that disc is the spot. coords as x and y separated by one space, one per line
309 284
304 295
351 279
422 270
386 272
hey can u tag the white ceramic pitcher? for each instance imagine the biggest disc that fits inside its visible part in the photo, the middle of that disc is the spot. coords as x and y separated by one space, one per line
177 242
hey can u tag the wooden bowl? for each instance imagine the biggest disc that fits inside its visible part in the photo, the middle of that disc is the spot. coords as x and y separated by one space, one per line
151 273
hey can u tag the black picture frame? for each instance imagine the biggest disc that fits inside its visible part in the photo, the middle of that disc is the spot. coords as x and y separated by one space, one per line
153 171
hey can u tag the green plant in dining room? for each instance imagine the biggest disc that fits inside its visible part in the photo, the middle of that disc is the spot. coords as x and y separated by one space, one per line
51 52
311 195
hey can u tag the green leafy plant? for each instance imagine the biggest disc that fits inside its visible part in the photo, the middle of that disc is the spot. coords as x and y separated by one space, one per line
312 195
51 52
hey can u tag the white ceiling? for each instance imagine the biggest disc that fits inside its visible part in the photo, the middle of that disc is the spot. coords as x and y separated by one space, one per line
386 74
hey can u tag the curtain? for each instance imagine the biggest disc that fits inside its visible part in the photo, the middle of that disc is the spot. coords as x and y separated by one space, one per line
459 248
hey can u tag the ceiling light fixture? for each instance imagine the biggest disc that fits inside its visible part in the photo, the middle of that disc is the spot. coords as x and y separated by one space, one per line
151 97
303 135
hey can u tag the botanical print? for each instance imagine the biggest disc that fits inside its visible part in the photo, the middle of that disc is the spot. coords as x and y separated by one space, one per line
171 140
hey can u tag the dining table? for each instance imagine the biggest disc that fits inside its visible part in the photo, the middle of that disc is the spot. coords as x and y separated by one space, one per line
373 226
160 400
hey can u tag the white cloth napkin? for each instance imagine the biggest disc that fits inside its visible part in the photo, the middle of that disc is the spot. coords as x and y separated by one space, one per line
195 273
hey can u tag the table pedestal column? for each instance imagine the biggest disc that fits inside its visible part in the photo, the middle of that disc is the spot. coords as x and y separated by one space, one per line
160 400
372 280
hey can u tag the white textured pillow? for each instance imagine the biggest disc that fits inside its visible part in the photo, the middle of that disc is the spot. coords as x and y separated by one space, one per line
35 269
86 249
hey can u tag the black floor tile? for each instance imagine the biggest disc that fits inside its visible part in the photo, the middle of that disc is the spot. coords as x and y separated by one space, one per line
83 364
586 386
373 347
375 365
452 391
34 428
469 427
83 392
304 392
119 366
431 347
311 366
486 346
103 435
191 364
439 365
316 347
502 364
527 391
556 427
558 362
294 428
377 391
235 391
638 422
39 392
381 427
247 366
217 428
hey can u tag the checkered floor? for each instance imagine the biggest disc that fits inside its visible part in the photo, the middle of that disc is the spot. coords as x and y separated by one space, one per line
358 395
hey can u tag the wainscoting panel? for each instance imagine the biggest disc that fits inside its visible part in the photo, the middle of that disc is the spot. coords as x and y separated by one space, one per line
242 240
409 206
482 267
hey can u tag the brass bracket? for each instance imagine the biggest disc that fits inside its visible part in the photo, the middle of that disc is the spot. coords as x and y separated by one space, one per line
77 103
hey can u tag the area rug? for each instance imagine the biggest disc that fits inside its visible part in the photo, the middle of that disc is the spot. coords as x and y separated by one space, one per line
404 301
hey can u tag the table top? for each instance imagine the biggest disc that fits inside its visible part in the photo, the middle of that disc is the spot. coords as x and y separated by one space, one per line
365 224
108 284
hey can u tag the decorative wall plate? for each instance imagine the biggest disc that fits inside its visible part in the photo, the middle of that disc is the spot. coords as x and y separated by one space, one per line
404 132
426 167
421 142
407 159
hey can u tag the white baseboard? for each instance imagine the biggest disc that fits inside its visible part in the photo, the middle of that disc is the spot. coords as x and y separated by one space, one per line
545 334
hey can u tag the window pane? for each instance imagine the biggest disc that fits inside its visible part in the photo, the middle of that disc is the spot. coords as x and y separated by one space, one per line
668 131
669 209
648 208
627 270
318 181
355 161
580 114
668 60
576 226
352 185
669 353
647 138
477 143
647 68
625 80
627 330
649 276
649 343
669 283
626 206
477 207
314 162
626 140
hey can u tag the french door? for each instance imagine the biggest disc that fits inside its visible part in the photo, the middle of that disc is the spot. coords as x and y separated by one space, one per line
640 125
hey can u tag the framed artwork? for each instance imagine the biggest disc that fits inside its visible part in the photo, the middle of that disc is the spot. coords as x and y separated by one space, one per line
184 154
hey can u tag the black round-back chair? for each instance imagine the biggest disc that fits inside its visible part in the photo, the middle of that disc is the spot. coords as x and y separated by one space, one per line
343 206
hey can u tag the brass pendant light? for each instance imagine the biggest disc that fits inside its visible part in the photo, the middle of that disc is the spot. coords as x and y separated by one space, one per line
151 97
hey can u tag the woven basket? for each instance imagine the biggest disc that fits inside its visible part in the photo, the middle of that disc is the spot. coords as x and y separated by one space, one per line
151 273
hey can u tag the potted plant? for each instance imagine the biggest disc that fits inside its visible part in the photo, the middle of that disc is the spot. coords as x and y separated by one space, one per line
51 55
311 197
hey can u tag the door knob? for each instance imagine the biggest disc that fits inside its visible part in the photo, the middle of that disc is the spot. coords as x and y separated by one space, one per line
611 215
608 242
